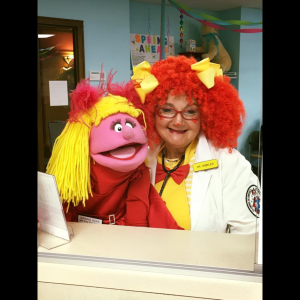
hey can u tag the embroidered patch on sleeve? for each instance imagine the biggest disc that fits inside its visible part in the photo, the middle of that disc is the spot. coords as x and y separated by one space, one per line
253 200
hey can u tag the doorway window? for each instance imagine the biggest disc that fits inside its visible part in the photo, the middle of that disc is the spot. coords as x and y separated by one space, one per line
60 58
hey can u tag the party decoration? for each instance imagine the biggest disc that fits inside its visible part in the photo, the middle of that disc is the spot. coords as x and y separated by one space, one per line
44 51
213 48
50 55
168 34
181 29
149 24
215 22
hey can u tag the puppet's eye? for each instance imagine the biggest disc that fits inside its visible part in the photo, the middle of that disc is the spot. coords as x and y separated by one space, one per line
118 127
129 124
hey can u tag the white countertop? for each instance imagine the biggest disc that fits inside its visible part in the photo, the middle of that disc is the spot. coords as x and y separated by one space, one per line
160 245
129 260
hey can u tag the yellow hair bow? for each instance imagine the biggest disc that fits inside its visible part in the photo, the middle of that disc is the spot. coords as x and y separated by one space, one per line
146 82
207 71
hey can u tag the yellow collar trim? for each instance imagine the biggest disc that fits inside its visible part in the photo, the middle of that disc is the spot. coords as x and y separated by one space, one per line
189 152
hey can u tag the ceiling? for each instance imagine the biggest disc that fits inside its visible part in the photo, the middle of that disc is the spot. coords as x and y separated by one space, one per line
213 5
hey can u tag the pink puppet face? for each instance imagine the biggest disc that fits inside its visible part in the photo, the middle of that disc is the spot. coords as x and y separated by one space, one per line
118 143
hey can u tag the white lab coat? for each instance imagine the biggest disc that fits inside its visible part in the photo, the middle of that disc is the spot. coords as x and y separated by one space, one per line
218 196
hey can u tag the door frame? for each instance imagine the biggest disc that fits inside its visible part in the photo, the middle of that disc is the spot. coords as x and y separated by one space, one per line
79 67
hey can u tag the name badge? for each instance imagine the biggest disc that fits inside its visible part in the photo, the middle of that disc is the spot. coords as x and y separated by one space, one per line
205 165
85 219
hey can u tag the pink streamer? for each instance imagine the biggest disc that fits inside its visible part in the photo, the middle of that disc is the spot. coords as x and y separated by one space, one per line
207 23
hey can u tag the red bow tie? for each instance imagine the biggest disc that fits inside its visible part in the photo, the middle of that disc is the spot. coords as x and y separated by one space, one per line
178 175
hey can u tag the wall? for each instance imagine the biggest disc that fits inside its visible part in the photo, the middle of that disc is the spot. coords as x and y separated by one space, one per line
231 40
106 31
250 78
245 50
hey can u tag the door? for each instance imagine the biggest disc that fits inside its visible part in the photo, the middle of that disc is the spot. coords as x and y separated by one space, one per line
60 57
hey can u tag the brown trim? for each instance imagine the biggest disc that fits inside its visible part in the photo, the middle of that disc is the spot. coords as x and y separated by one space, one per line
40 137
79 62
48 21
79 53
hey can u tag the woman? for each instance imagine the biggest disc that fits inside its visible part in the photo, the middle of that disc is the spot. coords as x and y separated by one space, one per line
198 117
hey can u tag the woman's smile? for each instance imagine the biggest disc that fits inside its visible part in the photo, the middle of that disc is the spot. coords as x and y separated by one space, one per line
176 131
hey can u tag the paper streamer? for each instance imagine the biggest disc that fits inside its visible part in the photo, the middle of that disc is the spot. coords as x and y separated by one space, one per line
215 22
49 55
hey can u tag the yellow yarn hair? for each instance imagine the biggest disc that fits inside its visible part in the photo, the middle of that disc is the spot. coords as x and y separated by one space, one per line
70 159
111 105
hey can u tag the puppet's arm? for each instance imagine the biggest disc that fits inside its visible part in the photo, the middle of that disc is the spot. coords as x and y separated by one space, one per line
159 215
144 205
137 201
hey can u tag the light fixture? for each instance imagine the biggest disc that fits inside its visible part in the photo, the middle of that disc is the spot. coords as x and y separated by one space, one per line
44 36
68 59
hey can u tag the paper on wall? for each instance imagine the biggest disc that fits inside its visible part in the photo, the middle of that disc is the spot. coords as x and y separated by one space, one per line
58 90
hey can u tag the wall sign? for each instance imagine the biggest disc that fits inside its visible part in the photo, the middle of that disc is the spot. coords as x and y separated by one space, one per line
147 47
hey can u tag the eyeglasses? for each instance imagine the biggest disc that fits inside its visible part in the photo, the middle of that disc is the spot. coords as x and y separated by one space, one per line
169 113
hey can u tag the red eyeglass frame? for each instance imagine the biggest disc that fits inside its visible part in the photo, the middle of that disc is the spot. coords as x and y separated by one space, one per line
177 112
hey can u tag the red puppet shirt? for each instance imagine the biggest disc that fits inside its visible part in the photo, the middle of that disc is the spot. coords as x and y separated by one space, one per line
128 196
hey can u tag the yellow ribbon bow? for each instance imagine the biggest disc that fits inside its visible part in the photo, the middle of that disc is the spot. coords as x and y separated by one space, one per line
146 82
207 71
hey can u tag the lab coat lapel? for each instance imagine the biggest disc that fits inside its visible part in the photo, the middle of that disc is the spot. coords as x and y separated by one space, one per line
200 181
152 161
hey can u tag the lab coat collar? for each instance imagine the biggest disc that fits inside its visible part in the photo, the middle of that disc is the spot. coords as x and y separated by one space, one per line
202 151
152 161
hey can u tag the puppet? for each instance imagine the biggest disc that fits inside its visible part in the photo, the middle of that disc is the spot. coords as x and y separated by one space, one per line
98 159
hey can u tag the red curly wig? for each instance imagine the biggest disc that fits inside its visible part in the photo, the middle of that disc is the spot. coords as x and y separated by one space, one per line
222 113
